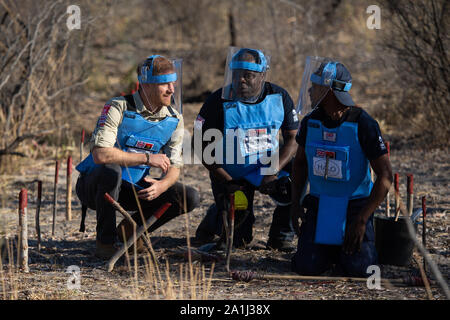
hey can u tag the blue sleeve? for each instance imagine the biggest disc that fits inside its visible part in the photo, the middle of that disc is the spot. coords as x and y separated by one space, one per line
370 138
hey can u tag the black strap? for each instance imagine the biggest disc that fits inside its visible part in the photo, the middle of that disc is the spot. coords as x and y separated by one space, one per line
172 112
130 102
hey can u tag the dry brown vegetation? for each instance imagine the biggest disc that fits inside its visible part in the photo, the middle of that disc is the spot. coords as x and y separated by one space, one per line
53 83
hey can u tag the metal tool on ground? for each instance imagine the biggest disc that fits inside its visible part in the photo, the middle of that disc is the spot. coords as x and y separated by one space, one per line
230 233
81 145
416 214
23 231
69 189
388 197
248 276
55 196
140 231
38 210
410 194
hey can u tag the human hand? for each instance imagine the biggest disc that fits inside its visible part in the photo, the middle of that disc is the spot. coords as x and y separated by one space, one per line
156 188
268 184
296 212
159 160
354 236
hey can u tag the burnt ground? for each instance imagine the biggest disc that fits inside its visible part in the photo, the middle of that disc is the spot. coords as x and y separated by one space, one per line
48 278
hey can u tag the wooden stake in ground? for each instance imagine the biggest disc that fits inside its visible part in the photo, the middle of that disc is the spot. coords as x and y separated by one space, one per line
397 196
55 196
23 231
38 210
388 197
150 221
410 194
81 145
69 189
230 233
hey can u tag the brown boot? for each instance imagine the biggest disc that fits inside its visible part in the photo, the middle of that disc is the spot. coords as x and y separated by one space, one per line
104 250
128 229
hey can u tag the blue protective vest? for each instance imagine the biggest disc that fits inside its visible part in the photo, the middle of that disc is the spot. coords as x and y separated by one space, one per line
136 134
338 171
251 132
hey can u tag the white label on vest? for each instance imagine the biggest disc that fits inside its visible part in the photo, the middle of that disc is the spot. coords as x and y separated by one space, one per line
329 136
257 140
334 167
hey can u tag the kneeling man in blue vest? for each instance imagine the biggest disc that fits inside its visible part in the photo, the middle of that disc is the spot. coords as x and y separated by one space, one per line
133 134
338 143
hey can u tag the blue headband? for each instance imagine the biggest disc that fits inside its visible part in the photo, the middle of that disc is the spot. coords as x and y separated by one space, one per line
148 77
328 78
236 64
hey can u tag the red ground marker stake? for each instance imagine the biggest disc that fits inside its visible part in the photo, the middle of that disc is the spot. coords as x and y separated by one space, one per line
69 189
424 227
23 231
397 196
38 210
388 197
410 193
150 221
55 196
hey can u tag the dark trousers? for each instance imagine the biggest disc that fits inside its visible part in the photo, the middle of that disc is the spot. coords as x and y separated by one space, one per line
280 230
315 259
91 188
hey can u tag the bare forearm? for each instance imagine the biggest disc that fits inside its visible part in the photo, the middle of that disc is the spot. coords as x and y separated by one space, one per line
117 156
171 177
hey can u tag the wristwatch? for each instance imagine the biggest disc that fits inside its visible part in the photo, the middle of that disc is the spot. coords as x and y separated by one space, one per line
147 163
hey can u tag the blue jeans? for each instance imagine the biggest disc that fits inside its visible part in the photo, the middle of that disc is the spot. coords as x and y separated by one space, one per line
315 259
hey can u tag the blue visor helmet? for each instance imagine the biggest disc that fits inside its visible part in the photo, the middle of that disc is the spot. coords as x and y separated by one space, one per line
147 76
259 66
336 76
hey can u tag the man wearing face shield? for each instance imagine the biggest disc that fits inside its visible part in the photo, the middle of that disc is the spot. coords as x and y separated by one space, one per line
254 111
133 134
338 143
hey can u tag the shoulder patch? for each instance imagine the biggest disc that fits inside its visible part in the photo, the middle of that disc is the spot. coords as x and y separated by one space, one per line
103 115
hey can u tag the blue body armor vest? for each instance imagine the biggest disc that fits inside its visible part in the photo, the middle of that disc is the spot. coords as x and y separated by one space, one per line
251 133
136 134
338 171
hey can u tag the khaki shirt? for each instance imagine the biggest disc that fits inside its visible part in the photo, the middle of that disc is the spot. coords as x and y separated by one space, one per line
105 133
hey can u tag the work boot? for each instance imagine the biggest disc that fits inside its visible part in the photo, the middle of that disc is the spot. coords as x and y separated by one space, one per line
280 245
105 250
128 227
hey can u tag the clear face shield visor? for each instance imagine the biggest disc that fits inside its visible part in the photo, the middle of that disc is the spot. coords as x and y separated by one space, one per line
173 79
245 74
314 86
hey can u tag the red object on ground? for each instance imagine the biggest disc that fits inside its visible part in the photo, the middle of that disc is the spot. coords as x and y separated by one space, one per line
410 183
23 200
396 184
161 210
82 136
424 206
69 165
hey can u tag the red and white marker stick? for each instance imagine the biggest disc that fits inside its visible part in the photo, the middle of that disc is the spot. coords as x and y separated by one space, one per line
150 221
397 195
69 189
38 210
388 197
81 145
23 231
230 233
410 193
55 196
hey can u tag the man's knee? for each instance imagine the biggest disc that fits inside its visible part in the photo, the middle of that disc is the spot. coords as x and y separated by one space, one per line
192 199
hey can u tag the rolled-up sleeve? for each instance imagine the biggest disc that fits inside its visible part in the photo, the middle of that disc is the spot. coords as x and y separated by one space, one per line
105 133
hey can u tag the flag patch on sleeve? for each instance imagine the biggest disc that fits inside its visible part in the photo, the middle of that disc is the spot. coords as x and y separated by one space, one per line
103 115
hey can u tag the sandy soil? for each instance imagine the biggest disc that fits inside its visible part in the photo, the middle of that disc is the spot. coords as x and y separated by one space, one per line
47 278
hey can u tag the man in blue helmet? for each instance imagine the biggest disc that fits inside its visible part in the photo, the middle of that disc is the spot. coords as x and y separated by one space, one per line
133 134
249 112
338 143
